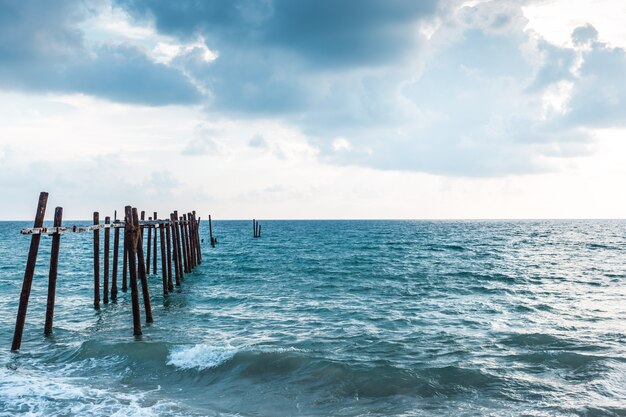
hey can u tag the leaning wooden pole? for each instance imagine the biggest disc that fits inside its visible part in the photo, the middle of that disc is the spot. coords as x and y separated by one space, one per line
52 276
96 262
29 272
131 237
141 271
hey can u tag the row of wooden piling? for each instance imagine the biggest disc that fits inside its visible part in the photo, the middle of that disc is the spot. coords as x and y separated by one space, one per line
180 251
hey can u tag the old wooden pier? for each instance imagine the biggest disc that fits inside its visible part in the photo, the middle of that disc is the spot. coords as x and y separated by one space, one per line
179 246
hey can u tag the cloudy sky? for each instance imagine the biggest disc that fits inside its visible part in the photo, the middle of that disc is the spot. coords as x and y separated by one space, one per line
315 109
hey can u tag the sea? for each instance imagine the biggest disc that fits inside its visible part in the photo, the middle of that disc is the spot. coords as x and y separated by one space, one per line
333 318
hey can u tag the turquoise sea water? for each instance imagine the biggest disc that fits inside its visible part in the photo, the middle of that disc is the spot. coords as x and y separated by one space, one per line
341 318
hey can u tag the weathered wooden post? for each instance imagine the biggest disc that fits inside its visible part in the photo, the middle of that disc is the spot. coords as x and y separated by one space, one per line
52 276
163 259
259 234
131 238
29 272
125 262
141 270
211 232
154 253
168 236
196 222
253 228
96 261
190 250
176 249
107 236
143 217
183 240
116 250
149 251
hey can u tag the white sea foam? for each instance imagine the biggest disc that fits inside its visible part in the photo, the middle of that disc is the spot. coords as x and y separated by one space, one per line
201 356
44 394
204 356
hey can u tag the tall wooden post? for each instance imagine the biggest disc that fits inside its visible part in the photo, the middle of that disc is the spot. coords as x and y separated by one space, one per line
141 270
163 259
191 253
176 249
168 237
131 238
107 249
116 250
29 272
149 251
125 264
154 253
52 276
183 241
96 262
196 235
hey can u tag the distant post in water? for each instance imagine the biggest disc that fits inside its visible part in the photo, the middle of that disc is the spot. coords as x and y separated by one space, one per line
29 272
211 233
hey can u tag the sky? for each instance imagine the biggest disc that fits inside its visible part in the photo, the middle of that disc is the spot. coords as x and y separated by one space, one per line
325 109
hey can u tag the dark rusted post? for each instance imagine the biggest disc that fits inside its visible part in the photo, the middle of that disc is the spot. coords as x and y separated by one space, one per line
116 250
183 241
188 241
107 248
196 235
141 228
154 253
179 245
176 248
52 276
141 270
253 228
149 251
168 244
259 231
131 237
125 263
190 250
211 233
163 259
29 272
96 261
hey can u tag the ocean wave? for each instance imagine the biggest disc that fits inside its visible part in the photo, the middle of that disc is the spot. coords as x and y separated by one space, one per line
205 356
45 394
